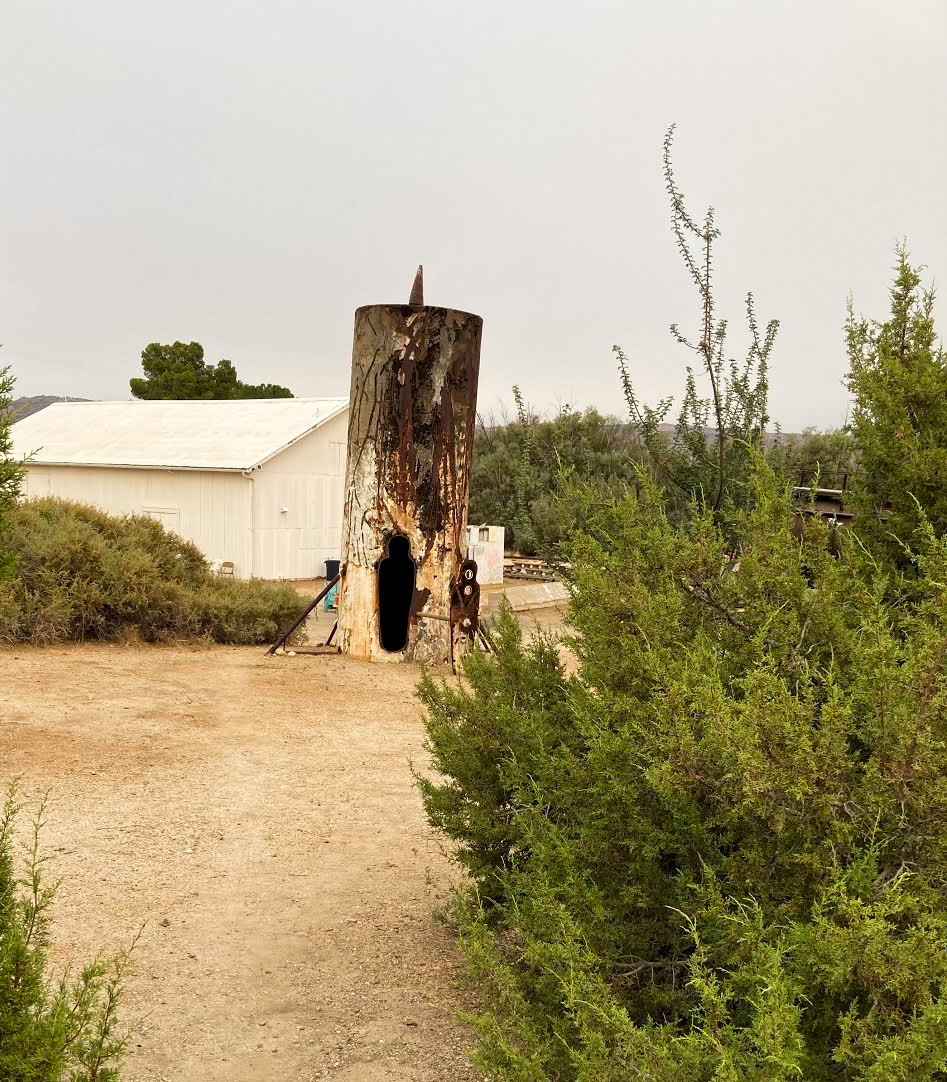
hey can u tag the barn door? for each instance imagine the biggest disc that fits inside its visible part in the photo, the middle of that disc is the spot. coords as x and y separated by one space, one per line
169 517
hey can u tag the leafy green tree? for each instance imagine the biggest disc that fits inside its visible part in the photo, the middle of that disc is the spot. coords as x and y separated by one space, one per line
716 851
11 470
179 371
898 379
260 390
63 1030
827 456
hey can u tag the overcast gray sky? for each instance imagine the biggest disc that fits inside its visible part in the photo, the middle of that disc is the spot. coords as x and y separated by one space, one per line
247 174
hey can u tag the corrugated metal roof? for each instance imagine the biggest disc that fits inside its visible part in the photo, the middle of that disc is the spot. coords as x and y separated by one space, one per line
212 435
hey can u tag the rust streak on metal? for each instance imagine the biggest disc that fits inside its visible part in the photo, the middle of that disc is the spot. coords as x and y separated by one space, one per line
419 601
414 387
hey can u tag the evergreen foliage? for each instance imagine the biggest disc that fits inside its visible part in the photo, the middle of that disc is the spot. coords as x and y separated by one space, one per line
898 380
714 850
179 371
51 1030
717 851
11 471
83 574
518 468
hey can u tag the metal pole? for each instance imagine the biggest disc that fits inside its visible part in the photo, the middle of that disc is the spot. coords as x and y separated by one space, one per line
315 601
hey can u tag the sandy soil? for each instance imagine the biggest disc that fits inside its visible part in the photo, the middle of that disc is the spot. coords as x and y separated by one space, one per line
259 815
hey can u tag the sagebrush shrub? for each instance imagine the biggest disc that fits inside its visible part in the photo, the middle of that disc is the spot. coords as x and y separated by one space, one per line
11 469
718 851
81 574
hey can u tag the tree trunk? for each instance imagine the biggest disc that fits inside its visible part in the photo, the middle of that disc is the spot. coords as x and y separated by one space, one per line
411 427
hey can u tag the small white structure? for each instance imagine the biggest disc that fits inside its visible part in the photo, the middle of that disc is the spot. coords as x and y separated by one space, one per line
485 545
258 482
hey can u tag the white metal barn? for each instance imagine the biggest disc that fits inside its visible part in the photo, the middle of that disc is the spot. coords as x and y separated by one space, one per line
256 482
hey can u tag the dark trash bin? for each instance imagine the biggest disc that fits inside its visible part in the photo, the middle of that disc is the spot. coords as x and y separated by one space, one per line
332 569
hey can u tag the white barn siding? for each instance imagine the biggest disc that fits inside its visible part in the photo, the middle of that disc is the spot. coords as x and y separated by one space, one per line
212 509
308 479
218 473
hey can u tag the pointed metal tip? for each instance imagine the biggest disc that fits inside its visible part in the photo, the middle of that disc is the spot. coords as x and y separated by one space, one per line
417 290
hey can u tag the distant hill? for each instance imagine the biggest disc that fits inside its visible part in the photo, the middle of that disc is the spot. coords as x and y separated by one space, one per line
23 407
769 438
489 423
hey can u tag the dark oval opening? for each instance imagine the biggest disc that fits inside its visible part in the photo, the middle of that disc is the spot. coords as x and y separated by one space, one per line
396 573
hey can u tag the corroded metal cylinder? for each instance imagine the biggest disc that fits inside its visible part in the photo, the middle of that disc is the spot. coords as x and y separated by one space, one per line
406 591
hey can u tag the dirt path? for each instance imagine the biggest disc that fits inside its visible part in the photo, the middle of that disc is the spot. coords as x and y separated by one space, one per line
259 814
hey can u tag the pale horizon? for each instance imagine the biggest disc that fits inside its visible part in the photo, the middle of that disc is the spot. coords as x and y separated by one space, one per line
247 176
